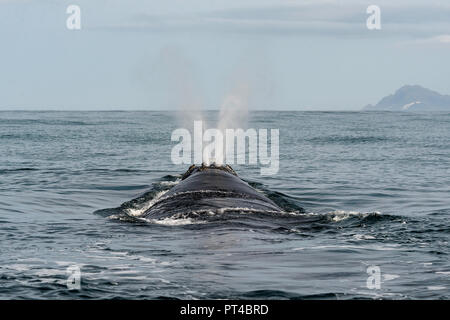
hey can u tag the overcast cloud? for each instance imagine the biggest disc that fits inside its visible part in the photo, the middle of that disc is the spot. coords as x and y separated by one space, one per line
299 55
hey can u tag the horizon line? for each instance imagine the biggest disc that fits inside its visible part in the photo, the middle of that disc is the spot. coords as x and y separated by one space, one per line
169 110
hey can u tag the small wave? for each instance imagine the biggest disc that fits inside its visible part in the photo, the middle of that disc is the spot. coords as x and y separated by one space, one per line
125 170
280 295
137 206
374 247
434 288
140 207
123 217
340 215
121 188
284 201
389 277
335 139
363 237
17 170
51 122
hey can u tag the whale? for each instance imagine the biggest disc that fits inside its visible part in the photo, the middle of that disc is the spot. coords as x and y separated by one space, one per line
210 189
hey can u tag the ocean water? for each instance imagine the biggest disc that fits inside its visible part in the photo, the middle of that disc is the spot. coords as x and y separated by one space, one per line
360 189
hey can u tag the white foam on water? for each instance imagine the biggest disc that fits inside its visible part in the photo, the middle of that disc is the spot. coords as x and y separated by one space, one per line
19 267
296 213
363 237
66 263
136 212
433 288
389 277
117 217
147 259
47 272
340 215
392 247
174 221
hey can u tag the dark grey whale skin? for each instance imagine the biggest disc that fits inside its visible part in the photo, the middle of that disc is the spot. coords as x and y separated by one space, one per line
210 189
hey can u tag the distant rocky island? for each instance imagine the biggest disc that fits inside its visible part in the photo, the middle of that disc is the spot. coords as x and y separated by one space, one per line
412 98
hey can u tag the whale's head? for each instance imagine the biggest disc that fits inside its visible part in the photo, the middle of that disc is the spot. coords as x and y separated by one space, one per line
204 167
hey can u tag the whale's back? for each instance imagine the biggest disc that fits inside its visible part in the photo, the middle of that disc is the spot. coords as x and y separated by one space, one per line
210 189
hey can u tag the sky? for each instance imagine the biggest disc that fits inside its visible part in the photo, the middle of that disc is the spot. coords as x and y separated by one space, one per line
163 55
